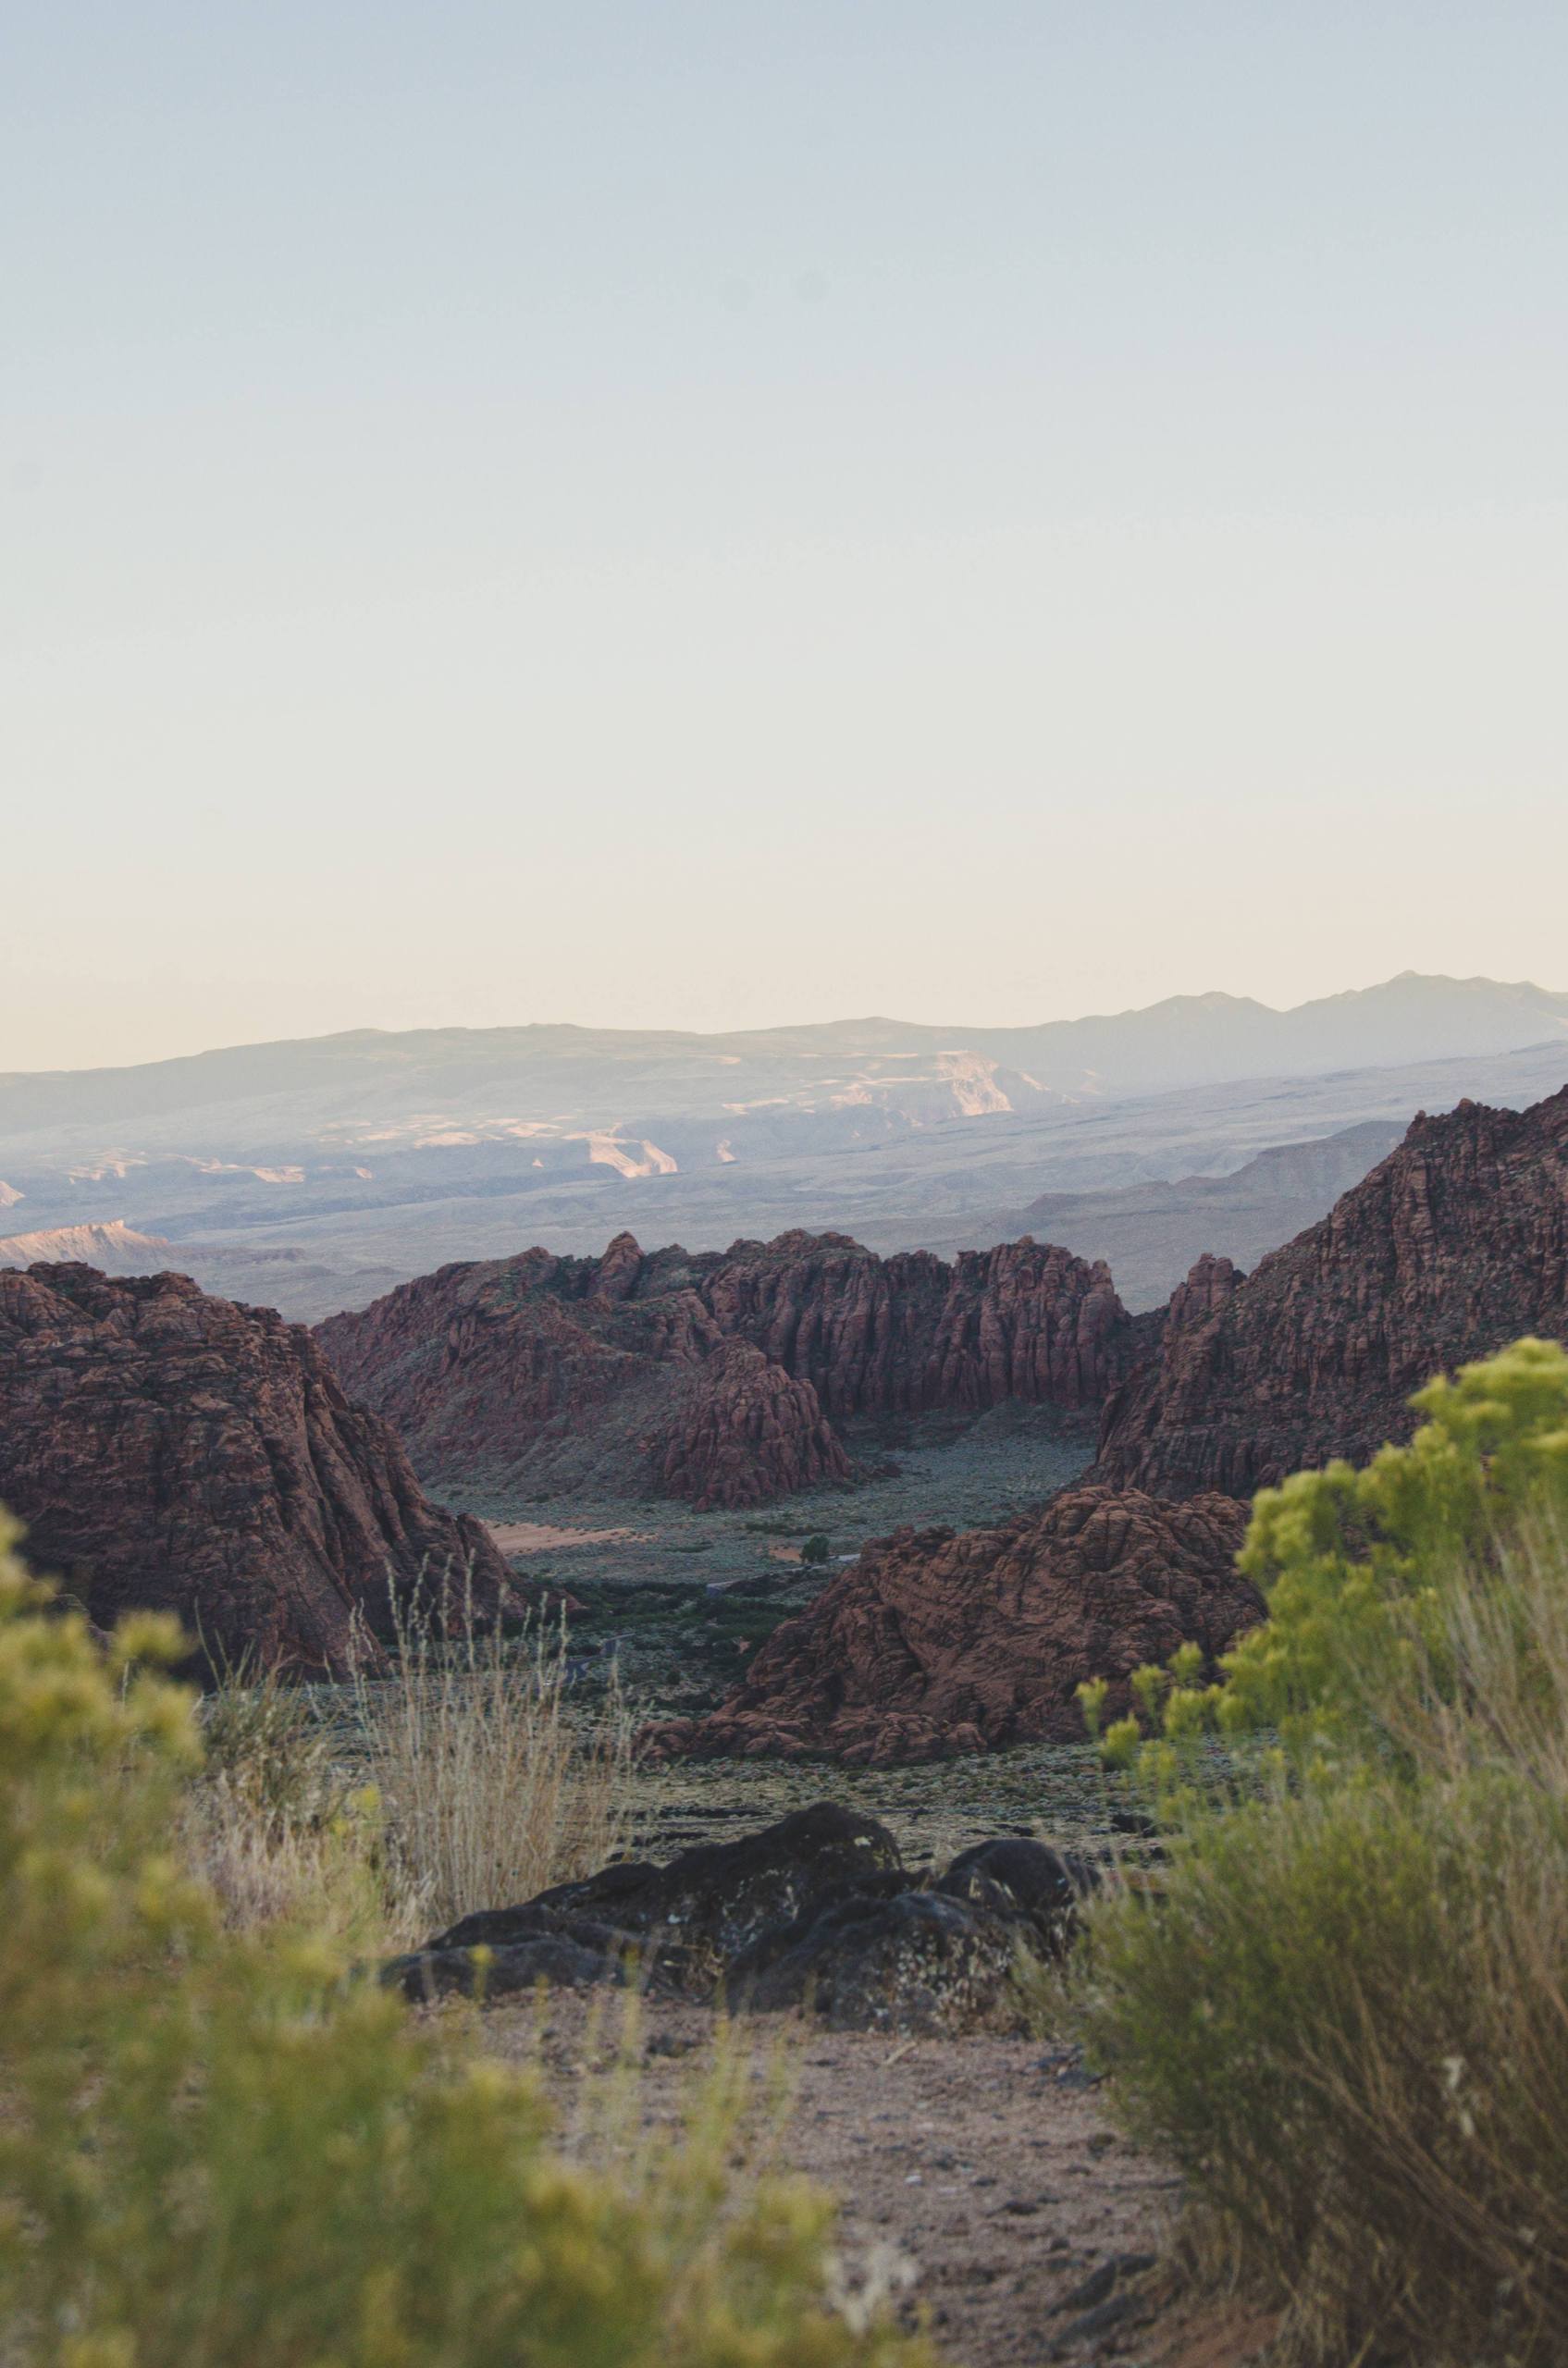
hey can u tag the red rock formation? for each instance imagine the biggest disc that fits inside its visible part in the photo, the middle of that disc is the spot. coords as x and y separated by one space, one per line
172 1451
570 1372
938 1641
878 1336
1209 1284
1455 1245
741 1431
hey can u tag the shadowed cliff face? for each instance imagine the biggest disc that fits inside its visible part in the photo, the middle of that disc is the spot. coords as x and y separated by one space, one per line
940 1641
175 1452
622 1373
1456 1244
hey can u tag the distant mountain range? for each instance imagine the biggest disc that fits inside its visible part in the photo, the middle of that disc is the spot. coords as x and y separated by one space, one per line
370 1157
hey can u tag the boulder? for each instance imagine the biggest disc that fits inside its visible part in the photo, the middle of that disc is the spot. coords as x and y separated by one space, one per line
712 1902
815 1912
918 1963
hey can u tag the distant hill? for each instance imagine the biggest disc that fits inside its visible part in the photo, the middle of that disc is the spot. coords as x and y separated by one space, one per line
371 1157
366 1076
114 1248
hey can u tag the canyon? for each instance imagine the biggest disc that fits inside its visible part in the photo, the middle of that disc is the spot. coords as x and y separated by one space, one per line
636 1374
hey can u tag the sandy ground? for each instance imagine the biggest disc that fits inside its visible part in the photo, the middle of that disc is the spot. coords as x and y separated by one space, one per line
984 2167
544 1538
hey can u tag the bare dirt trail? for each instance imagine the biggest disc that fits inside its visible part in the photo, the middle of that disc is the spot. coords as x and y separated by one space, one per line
984 2167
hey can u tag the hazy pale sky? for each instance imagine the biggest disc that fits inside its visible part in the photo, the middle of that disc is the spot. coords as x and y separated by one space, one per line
705 515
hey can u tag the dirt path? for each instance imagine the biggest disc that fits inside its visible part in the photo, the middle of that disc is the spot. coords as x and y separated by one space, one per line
984 2167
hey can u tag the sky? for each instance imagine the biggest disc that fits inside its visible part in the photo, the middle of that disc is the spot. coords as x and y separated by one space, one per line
702 516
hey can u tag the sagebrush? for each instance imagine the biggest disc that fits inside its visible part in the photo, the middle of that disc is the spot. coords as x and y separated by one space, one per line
1345 2013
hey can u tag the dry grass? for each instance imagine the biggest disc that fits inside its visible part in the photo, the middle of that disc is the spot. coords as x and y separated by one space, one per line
491 1784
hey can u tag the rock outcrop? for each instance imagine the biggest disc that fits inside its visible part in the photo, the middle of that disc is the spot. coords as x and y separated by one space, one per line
1455 1245
171 1451
939 1642
741 1431
816 1912
1208 1285
719 1377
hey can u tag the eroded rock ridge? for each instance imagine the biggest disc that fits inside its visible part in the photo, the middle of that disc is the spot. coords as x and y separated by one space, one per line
719 1377
171 1451
1456 1244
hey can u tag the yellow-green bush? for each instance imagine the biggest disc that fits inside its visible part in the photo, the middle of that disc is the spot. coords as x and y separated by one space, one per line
1346 2011
1373 1578
217 2151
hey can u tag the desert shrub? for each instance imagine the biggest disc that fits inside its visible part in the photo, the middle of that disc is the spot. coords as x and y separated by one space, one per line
492 1784
276 1826
815 1548
219 2151
262 1739
1376 1580
1346 2012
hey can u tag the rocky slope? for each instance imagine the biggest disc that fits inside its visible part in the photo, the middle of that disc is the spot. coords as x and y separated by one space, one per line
1456 1244
939 1641
622 1374
172 1451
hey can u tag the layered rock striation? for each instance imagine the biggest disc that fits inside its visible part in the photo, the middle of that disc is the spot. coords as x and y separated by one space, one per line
1455 1245
171 1451
718 1377
940 1642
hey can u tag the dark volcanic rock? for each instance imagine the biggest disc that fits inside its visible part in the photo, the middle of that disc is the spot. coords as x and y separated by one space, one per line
1029 1880
175 1452
555 1959
1457 1244
919 1962
815 1911
622 1372
715 1900
938 1641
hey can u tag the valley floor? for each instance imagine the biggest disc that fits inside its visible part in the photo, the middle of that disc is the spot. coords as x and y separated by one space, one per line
977 2177
980 2171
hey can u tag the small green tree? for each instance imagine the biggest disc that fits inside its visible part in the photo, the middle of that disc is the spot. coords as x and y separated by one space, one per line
814 1550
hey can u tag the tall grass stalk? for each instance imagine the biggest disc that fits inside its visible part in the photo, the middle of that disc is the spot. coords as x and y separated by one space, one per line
492 1784
271 1820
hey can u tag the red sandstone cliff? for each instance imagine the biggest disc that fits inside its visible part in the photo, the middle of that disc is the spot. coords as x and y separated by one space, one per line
592 1372
1455 1245
741 1431
939 1642
175 1452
